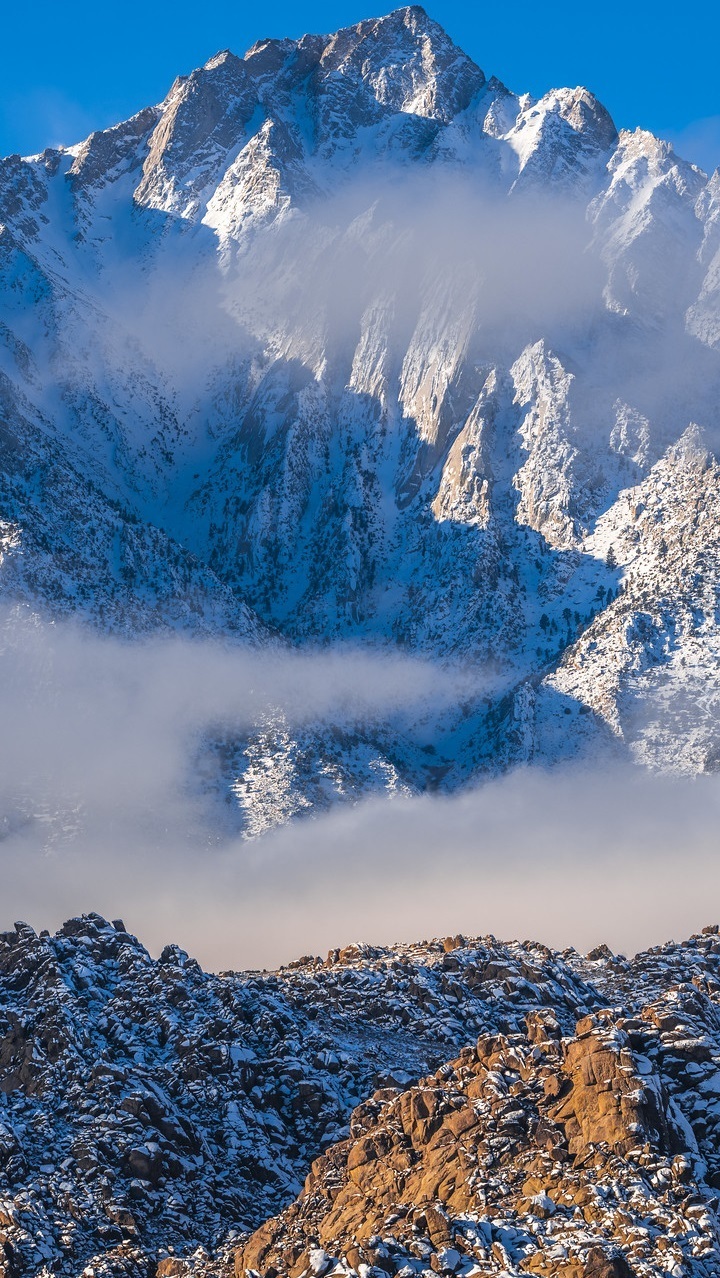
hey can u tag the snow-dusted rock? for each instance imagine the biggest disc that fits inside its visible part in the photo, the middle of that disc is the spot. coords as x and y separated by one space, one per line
451 1103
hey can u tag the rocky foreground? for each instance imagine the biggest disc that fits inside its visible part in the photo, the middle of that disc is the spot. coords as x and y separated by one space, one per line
458 1106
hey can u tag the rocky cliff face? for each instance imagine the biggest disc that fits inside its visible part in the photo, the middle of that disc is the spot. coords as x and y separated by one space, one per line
463 1106
344 339
482 1169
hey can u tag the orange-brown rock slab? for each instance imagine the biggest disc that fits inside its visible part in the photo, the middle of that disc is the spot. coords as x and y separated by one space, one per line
595 1264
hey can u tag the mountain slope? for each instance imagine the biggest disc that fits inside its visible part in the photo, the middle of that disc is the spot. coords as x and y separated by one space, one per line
346 340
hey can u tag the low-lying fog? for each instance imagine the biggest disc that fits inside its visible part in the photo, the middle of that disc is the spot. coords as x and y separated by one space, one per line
103 731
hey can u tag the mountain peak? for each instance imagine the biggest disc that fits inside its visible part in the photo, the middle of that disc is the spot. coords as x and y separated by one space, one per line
479 359
221 58
409 62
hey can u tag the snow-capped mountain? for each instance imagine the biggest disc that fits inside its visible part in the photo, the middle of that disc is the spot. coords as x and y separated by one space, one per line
344 340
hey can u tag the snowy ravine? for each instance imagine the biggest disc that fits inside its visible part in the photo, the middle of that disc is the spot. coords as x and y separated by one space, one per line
345 340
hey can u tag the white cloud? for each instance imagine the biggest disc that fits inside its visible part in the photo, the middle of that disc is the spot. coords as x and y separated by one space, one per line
104 731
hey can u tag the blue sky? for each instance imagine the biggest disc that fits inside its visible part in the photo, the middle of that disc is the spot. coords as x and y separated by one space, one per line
67 68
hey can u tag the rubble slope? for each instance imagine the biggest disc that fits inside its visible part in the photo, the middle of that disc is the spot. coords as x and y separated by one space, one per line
464 1105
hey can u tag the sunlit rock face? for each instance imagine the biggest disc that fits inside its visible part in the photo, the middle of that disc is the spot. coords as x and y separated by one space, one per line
344 340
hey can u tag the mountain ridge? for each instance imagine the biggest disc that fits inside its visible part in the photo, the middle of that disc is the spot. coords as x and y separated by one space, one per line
344 340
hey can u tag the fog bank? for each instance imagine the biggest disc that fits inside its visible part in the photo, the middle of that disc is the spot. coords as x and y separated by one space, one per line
98 814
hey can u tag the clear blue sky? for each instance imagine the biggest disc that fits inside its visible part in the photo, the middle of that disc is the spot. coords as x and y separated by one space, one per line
69 66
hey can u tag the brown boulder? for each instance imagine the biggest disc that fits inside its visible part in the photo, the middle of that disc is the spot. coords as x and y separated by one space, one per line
171 1267
607 1103
596 1263
599 1265
437 1227
420 1112
253 1254
451 943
